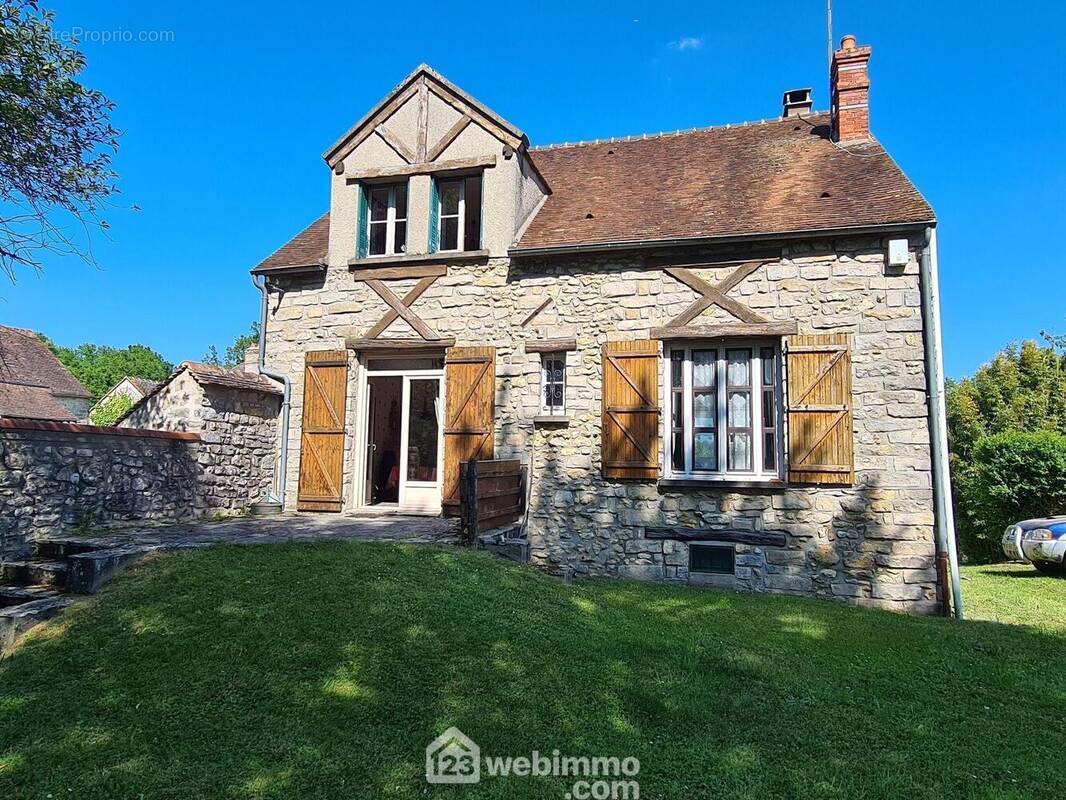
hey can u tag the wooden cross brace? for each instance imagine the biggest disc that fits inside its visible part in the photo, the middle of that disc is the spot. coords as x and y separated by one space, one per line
714 295
401 308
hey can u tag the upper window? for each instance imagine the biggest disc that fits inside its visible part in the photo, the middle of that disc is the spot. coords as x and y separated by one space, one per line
725 406
388 219
459 213
553 384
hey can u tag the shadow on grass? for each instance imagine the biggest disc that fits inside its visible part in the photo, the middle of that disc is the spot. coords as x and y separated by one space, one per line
324 670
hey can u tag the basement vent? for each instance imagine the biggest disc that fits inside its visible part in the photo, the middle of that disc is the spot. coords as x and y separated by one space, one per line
711 559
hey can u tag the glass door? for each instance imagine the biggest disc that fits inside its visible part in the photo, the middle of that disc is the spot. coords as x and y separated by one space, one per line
421 444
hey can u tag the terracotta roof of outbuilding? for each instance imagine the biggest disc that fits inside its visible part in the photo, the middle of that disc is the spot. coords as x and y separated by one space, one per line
32 402
143 385
771 177
25 359
235 378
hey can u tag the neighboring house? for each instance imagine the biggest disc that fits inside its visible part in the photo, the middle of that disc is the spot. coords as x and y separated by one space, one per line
709 344
235 413
132 387
33 382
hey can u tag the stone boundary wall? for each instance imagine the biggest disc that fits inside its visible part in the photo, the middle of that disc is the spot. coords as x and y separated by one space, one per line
59 478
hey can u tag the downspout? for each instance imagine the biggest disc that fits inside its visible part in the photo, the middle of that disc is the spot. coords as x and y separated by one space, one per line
938 433
286 397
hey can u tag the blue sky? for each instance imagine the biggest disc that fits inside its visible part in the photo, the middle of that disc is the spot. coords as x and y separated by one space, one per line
224 126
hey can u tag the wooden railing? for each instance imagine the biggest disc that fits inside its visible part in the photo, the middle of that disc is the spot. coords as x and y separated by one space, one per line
491 494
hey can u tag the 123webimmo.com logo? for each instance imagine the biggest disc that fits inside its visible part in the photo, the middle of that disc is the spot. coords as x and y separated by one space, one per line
454 758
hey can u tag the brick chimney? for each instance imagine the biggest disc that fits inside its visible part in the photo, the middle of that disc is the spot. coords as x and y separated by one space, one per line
849 91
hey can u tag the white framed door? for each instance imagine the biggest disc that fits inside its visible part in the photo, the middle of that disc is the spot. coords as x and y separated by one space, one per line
421 439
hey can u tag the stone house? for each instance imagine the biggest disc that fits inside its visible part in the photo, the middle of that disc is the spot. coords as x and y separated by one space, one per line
235 413
716 349
131 386
34 384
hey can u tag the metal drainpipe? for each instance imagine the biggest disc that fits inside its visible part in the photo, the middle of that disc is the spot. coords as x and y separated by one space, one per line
283 461
934 369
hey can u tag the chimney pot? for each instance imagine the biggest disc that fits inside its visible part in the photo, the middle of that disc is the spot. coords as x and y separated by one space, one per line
848 42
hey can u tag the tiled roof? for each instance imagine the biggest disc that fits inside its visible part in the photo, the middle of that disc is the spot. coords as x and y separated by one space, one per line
235 378
25 359
32 402
771 177
778 176
143 385
310 246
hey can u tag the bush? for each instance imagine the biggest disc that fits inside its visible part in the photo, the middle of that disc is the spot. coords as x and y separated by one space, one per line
111 410
1013 476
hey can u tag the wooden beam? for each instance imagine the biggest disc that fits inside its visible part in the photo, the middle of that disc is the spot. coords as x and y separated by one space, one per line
449 137
551 345
361 343
726 330
359 136
401 273
416 291
536 311
465 108
714 294
769 538
399 147
423 118
455 165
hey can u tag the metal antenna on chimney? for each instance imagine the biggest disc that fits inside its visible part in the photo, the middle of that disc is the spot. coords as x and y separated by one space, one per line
829 30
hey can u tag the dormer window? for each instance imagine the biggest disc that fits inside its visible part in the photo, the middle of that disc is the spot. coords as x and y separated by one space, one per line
387 223
458 213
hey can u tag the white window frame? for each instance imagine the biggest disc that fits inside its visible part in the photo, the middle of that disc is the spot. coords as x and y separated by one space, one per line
545 409
390 219
460 216
722 346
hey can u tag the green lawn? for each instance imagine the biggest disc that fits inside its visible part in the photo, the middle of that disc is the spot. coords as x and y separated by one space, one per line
1014 593
294 671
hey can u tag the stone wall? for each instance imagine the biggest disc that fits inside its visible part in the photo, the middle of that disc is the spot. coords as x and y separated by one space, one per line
239 431
871 543
57 478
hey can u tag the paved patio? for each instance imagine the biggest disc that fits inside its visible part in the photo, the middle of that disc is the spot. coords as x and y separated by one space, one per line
285 528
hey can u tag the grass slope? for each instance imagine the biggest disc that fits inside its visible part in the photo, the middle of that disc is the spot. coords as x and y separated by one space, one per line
323 671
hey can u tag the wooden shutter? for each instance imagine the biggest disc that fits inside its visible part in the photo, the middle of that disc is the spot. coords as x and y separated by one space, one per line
434 216
630 446
820 436
363 244
322 435
470 400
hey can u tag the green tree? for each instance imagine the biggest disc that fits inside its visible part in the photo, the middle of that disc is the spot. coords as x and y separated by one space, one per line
1013 476
56 143
111 410
1022 390
234 354
100 367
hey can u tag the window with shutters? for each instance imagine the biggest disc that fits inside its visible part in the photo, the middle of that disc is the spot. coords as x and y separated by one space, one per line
387 220
458 213
725 410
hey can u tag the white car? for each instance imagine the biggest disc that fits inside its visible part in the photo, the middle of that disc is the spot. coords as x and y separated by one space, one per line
1039 541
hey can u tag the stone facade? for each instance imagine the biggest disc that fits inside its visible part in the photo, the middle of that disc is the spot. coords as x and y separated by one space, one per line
871 543
55 481
238 429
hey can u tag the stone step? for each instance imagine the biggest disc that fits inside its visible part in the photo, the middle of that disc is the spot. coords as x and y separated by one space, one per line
55 549
16 595
16 620
34 573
